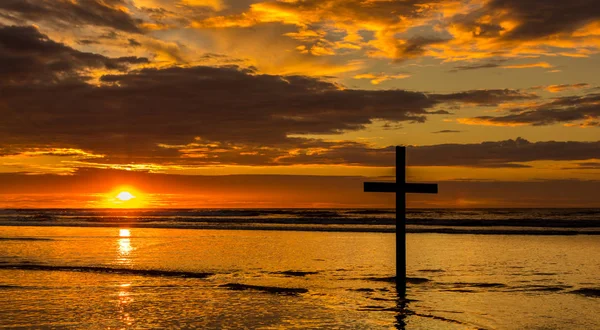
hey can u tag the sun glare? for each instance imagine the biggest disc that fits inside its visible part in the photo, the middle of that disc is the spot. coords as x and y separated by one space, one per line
125 196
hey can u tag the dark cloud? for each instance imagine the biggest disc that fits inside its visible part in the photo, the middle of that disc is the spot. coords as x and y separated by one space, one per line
534 19
111 35
502 153
566 109
133 43
28 56
194 115
68 13
447 131
496 154
486 97
175 105
585 166
225 104
477 66
439 112
540 19
88 42
415 47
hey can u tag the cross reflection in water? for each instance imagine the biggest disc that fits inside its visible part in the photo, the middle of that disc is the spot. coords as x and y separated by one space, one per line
402 312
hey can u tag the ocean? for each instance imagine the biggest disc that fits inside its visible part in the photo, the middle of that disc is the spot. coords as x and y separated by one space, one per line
298 269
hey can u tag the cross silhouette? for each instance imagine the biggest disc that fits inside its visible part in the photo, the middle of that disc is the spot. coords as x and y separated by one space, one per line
401 188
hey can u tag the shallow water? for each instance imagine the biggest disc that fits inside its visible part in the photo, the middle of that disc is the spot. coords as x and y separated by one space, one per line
66 277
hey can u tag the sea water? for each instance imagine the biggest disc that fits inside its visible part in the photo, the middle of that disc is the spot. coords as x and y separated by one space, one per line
117 277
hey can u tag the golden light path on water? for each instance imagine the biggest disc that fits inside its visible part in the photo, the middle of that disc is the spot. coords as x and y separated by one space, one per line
125 299
124 247
124 303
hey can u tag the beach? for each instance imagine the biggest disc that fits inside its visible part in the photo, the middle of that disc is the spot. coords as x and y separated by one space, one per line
125 277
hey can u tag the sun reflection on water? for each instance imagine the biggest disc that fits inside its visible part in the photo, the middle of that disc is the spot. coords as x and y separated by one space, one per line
124 247
124 300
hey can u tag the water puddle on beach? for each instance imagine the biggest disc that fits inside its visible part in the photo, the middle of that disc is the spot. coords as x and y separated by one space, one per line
58 277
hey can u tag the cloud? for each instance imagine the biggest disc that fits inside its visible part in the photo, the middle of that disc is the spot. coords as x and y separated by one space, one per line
447 131
535 20
584 166
526 20
512 29
387 19
29 56
415 47
66 13
141 109
133 43
565 87
544 65
486 97
498 64
447 30
198 114
378 78
477 66
213 4
502 153
490 154
569 110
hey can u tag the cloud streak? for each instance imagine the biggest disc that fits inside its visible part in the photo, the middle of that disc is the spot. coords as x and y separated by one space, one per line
569 110
65 13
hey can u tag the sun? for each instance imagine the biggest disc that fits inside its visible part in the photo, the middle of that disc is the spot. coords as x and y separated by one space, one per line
125 196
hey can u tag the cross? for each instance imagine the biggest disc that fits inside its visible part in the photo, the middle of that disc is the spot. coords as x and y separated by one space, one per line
400 187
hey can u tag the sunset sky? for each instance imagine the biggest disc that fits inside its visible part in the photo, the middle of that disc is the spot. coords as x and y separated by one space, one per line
224 103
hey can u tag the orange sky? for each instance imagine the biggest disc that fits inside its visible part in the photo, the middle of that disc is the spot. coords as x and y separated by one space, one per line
222 103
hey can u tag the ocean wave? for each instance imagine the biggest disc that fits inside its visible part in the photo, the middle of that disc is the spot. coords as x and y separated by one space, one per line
325 227
11 287
477 285
588 292
446 221
392 279
294 273
509 222
538 288
25 239
269 289
107 270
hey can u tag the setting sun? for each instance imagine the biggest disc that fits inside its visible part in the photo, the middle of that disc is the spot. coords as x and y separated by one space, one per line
125 196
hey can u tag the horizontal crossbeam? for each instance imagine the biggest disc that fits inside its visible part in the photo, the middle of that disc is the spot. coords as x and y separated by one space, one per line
419 188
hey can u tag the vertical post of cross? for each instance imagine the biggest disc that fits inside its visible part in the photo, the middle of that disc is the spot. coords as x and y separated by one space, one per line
401 188
401 221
